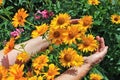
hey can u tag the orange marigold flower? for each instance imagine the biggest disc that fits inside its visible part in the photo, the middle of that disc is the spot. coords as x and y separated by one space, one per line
3 73
40 62
93 2
52 72
19 18
86 21
16 71
115 18
9 46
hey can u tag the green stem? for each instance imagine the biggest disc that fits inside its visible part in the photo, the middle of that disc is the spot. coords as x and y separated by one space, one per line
3 18
30 23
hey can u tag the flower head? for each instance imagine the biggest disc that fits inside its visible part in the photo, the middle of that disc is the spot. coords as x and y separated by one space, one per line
67 57
61 20
40 30
3 73
115 19
95 76
86 21
16 71
19 18
56 35
93 2
71 34
23 57
88 44
40 62
9 46
52 72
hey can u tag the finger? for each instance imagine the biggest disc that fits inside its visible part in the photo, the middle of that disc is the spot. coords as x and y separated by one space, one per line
102 43
74 21
98 39
103 52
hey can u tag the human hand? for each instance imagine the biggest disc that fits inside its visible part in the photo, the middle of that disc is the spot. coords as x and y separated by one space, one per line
5 61
98 56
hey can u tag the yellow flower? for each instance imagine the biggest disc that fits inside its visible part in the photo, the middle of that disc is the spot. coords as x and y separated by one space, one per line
33 78
95 76
86 21
19 18
42 29
34 34
67 57
79 60
93 2
52 72
23 57
88 44
115 18
71 35
16 71
3 73
40 62
56 35
1 1
9 46
40 78
61 20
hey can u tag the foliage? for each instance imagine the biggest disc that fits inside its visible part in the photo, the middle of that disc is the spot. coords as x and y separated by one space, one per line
102 25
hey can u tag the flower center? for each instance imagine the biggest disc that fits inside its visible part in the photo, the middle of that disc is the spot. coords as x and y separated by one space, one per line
71 36
60 21
67 57
20 19
116 19
86 43
86 23
56 34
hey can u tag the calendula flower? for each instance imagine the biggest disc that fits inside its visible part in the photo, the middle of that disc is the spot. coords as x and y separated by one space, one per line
19 18
9 46
16 71
3 73
23 57
95 76
93 2
67 57
115 18
71 34
52 72
61 20
86 21
40 62
88 44
56 35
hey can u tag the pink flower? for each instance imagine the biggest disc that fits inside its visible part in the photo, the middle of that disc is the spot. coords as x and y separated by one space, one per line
16 33
45 14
